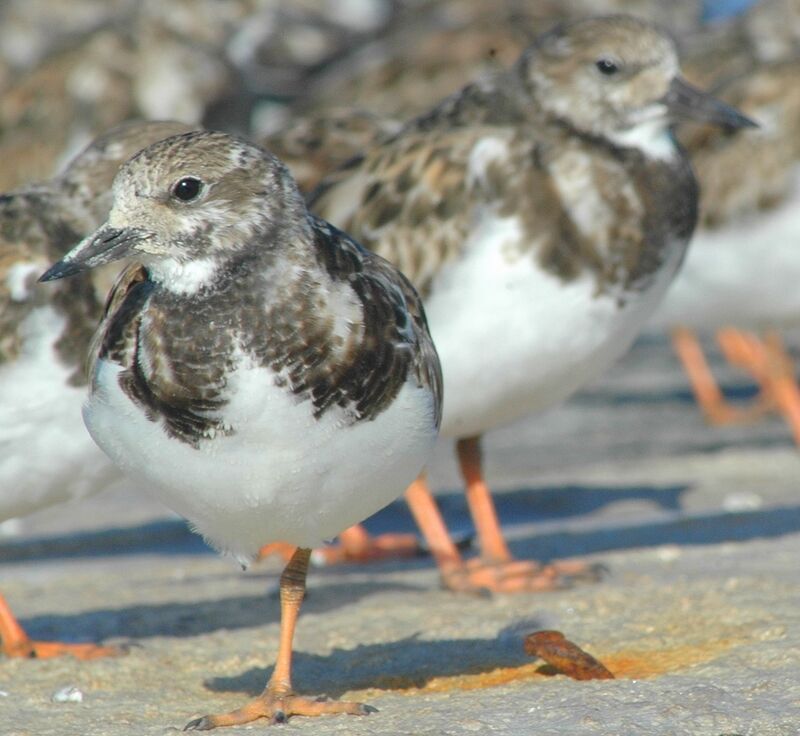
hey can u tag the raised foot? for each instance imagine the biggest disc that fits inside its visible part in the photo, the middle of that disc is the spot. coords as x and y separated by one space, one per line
47 649
282 549
357 547
368 549
481 576
278 709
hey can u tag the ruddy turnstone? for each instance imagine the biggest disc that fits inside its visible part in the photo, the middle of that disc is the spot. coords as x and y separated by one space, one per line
743 266
46 457
270 378
441 46
541 213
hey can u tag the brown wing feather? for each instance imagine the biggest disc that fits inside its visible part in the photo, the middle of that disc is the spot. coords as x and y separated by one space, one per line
408 200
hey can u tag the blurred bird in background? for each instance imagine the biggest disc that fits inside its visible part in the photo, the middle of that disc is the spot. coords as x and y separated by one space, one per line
46 455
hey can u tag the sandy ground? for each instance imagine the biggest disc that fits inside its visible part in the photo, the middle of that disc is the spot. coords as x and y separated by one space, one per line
698 613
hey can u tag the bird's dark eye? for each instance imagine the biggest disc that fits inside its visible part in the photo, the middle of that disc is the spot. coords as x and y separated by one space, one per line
606 66
187 189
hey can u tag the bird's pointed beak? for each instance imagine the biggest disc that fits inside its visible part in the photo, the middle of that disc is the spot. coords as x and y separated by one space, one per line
685 102
104 246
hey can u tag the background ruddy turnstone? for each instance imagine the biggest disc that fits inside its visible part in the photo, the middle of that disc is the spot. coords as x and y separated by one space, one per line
46 456
541 212
271 379
743 266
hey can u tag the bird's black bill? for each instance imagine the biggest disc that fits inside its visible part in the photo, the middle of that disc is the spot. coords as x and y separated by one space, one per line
106 245
685 102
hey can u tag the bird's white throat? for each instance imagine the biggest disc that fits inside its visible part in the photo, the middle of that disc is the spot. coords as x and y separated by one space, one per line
183 278
652 137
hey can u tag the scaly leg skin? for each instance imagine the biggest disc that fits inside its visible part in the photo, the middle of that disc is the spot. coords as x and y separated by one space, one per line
707 393
278 703
16 642
496 571
355 545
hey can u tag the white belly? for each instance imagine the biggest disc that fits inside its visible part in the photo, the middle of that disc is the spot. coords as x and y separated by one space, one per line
745 274
514 339
282 475
46 454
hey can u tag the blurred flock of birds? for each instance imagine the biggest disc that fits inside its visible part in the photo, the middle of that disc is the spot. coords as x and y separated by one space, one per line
318 82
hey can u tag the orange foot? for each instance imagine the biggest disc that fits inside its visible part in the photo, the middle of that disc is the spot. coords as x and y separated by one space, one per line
47 649
278 708
282 549
16 643
355 545
516 576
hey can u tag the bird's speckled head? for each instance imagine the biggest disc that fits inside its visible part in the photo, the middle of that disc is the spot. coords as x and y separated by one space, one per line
614 77
88 177
200 192
187 203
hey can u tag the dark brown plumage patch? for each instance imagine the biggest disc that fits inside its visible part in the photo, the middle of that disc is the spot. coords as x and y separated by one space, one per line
176 368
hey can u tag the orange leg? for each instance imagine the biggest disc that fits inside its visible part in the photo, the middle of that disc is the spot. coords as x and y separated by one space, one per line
16 642
783 382
738 349
431 523
481 504
278 702
496 571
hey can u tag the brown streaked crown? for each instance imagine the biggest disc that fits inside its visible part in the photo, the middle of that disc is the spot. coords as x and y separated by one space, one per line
599 74
242 189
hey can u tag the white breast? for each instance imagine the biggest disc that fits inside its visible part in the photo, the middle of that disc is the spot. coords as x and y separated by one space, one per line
514 339
282 475
46 454
745 274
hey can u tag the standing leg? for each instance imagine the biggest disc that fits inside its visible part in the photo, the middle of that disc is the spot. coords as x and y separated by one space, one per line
496 569
431 524
16 642
784 382
278 701
495 573
738 350
481 504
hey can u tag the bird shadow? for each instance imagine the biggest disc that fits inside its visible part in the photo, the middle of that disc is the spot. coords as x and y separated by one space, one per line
411 662
532 505
197 617
170 537
706 529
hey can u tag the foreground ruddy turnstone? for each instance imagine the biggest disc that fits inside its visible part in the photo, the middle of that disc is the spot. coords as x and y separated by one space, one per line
541 213
46 457
744 265
267 376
